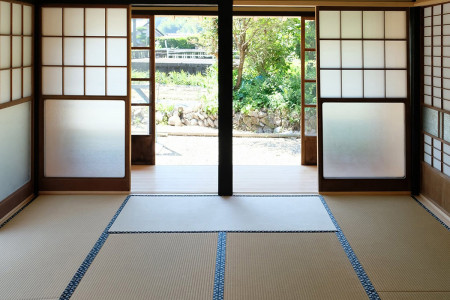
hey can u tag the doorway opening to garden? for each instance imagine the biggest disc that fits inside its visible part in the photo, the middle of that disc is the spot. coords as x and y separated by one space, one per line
175 104
274 102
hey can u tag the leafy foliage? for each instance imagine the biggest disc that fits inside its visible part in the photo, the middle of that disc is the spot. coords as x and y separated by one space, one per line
176 42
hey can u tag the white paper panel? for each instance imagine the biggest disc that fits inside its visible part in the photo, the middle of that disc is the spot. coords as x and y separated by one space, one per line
446 8
73 21
446 51
437 20
51 21
427 21
373 22
84 138
352 84
437 144
16 84
16 51
374 84
117 82
427 80
95 51
27 82
427 41
427 11
5 17
427 60
52 81
436 41
427 90
352 54
427 139
395 27
427 100
374 54
446 19
117 52
5 86
396 54
437 30
330 54
427 159
27 51
17 19
437 164
396 84
437 10
27 20
427 70
363 140
74 51
427 50
436 61
351 24
52 51
95 21
5 52
427 31
73 81
329 24
15 151
117 21
330 83
95 81
446 40
427 149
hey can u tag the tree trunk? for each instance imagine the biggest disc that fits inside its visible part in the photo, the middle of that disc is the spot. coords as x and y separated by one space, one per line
240 69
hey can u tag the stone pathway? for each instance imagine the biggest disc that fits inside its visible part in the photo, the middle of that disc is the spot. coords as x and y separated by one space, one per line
203 150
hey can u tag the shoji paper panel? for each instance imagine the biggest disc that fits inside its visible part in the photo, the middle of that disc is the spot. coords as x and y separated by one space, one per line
364 140
52 21
74 21
15 165
84 138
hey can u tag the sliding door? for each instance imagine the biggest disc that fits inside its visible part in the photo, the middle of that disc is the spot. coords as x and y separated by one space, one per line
363 99
16 104
84 103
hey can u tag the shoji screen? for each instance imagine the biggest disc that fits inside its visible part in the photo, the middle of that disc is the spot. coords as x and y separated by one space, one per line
16 102
363 99
436 99
85 88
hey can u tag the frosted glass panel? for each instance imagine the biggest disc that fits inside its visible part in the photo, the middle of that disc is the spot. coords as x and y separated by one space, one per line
95 52
363 140
17 51
5 86
396 54
17 19
330 83
74 21
430 121
374 84
117 21
395 24
351 22
95 81
27 82
5 52
16 84
352 54
51 21
73 81
352 83
27 51
52 51
446 127
5 17
84 138
330 54
27 20
95 21
74 51
329 24
51 81
117 82
373 22
15 165
396 85
117 52
374 54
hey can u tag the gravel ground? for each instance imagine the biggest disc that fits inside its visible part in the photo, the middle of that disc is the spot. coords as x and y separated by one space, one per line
198 150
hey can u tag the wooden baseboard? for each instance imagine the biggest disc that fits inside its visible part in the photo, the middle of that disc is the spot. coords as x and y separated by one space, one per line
435 208
83 193
375 193
16 199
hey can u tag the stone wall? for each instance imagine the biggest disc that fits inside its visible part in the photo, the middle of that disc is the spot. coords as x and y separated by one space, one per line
261 121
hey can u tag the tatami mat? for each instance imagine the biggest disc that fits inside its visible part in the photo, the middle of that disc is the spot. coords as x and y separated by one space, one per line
400 245
288 266
44 245
414 295
152 266
214 213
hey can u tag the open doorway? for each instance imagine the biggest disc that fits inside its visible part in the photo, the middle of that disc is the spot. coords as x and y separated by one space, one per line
180 68
274 102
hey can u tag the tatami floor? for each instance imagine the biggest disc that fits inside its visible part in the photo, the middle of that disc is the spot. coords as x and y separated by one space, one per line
388 247
203 179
